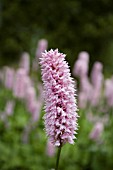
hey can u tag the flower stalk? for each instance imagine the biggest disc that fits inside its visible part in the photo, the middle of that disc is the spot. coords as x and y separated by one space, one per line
58 157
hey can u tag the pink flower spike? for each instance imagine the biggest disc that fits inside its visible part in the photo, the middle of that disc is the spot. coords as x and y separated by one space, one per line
9 77
81 65
25 62
60 102
9 109
41 47
96 131
97 75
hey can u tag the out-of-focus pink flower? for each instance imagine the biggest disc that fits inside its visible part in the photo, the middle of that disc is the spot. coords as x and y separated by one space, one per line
9 77
41 47
81 65
60 103
25 62
28 83
36 109
82 100
32 104
95 97
84 95
30 98
96 131
85 86
50 149
96 75
97 82
9 109
108 92
83 55
19 87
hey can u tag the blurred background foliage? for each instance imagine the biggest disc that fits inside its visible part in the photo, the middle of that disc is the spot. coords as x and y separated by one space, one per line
85 154
70 25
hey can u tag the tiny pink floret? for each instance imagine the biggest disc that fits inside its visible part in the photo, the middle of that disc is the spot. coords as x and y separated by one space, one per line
60 102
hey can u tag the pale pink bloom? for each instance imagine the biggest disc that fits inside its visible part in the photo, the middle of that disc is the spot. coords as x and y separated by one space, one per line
108 87
60 103
80 68
96 131
108 91
30 98
9 108
25 62
95 97
82 100
41 47
50 149
9 77
19 87
85 84
86 87
85 90
28 83
97 75
33 105
97 82
83 55
35 109
81 65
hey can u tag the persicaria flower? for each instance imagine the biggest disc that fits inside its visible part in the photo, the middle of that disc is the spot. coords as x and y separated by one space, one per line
9 77
25 62
108 91
9 108
20 85
41 47
81 65
60 102
97 131
97 75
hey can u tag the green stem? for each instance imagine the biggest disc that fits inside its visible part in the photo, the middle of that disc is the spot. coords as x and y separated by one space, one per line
58 157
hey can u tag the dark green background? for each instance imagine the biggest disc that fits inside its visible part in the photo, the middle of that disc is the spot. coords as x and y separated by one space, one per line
70 25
